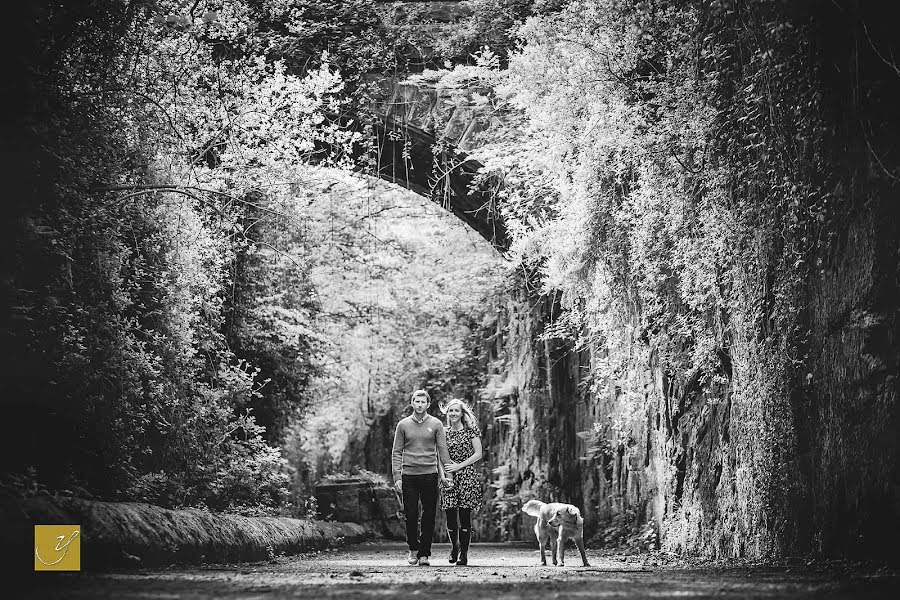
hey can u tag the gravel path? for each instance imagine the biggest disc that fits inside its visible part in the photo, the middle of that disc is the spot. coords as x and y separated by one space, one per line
496 572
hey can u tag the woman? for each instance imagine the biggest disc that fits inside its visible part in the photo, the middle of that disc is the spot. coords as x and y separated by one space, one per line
464 492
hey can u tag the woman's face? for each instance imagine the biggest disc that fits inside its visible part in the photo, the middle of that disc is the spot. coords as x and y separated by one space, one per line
454 413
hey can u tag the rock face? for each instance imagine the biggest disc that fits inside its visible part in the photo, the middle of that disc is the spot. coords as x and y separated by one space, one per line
533 411
756 462
848 421
353 500
459 112
755 467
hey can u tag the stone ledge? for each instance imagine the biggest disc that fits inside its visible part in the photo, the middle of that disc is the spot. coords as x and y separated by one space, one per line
354 500
132 534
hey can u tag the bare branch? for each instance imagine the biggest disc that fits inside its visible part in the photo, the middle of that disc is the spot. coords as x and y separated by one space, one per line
875 155
273 248
892 65
145 97
684 166
184 189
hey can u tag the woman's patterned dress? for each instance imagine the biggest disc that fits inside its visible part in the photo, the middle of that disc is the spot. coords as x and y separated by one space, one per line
466 491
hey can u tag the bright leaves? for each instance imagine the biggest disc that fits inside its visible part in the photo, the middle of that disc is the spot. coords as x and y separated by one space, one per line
167 144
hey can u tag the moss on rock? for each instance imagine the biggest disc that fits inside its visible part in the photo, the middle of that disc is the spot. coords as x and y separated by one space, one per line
132 534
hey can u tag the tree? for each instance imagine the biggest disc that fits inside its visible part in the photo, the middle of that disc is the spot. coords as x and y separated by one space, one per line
154 152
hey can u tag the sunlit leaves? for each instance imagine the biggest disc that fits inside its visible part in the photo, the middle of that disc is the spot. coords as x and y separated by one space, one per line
159 129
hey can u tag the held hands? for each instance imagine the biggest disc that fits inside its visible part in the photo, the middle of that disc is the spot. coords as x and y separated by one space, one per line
398 485
446 482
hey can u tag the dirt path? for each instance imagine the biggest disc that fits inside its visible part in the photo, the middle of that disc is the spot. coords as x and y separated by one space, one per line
497 572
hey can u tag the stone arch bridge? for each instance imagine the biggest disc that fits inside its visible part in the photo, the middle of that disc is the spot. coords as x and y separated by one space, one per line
422 131
432 167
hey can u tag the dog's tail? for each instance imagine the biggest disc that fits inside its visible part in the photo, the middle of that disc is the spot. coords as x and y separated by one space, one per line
533 507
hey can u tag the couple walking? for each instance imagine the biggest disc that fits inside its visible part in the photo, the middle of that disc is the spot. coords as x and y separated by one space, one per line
429 455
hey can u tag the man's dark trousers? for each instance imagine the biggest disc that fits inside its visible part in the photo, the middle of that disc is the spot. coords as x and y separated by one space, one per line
424 489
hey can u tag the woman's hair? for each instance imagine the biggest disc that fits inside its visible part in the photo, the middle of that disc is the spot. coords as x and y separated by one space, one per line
468 417
420 393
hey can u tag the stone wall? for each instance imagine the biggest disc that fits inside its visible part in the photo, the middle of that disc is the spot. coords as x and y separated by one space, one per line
354 500
459 114
758 466
764 462
849 415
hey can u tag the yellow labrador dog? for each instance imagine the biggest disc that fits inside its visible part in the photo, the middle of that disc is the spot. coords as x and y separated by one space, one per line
556 523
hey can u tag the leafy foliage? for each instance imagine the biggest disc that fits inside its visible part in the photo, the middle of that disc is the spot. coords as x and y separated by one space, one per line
427 36
169 271
634 182
131 345
404 287
348 35
675 178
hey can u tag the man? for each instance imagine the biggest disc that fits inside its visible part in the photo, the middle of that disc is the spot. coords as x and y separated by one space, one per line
418 441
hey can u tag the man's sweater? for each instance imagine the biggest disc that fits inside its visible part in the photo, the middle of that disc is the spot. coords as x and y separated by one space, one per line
416 446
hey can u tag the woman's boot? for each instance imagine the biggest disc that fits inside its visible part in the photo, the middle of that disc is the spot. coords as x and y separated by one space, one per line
454 552
465 537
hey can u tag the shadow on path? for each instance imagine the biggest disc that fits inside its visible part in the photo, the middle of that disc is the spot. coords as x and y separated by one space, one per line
497 572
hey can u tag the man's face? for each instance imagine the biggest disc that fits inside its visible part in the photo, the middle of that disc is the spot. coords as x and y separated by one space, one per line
419 404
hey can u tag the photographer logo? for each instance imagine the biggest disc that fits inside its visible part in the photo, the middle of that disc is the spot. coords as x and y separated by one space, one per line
57 547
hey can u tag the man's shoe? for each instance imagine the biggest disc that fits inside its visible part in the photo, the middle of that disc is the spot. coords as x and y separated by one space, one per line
413 559
423 561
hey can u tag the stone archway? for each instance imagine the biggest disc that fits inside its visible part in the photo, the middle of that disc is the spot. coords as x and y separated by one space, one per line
412 158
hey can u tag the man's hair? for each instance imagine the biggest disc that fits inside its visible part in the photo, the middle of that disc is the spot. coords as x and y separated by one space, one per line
418 393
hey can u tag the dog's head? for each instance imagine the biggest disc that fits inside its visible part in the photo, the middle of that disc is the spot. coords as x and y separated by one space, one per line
566 516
